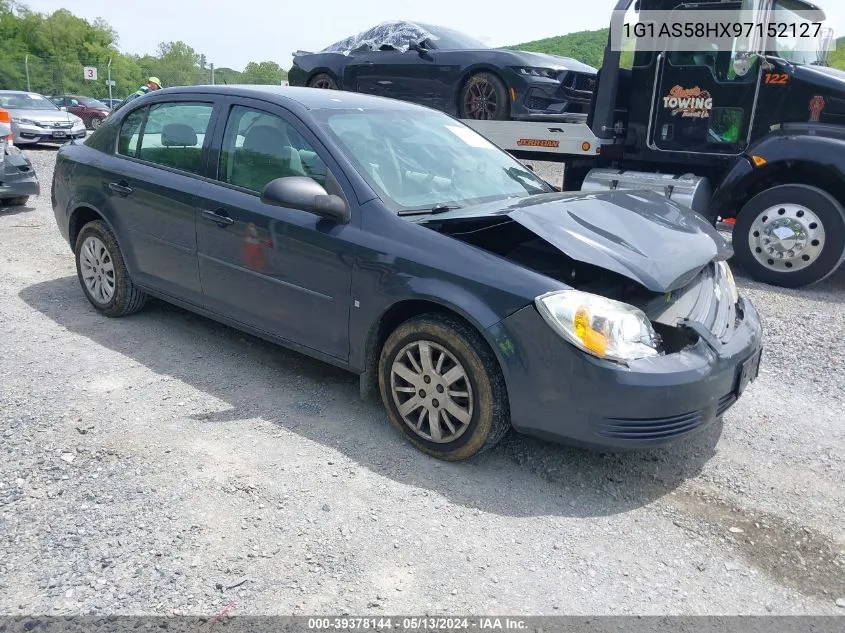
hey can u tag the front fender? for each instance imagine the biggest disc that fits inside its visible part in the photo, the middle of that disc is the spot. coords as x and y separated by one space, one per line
819 150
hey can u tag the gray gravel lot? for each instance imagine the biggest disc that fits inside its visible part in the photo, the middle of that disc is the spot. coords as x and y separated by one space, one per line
164 464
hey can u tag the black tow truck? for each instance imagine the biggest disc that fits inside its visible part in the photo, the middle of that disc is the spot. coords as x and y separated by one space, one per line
753 139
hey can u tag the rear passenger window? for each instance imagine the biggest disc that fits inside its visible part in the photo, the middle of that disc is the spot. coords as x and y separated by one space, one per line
130 133
259 147
174 134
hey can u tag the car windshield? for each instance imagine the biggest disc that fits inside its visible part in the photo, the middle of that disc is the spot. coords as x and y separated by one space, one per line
450 40
94 103
421 160
805 20
26 101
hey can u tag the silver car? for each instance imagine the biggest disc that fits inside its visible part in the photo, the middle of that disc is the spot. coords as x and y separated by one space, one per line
36 119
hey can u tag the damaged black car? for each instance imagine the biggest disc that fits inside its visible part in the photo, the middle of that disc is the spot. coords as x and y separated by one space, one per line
394 241
451 71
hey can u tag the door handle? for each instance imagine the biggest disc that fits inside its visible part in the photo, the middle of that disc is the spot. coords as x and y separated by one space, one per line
121 188
219 217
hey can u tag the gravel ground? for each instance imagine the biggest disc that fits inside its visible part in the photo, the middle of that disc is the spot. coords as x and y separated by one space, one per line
166 464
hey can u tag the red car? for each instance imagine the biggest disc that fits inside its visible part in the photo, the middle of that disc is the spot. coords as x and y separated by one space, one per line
91 111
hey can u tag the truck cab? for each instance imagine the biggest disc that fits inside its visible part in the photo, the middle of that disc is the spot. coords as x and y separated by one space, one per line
753 137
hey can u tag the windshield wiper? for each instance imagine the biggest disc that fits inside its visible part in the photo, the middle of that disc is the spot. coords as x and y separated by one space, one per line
437 208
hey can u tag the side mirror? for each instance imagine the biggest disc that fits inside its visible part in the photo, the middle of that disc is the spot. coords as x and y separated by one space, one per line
742 64
415 46
303 193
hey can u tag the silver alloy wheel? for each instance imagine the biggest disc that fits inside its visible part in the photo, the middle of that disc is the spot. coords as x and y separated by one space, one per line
432 391
97 268
786 237
95 123
325 84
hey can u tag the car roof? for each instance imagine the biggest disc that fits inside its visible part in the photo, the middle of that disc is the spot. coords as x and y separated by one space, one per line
308 98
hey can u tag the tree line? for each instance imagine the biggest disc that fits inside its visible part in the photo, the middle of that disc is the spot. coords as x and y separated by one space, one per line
48 54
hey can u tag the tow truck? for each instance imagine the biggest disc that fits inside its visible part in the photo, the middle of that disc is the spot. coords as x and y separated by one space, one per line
750 139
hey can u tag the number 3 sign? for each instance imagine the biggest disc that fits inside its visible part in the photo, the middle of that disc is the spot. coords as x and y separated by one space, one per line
91 73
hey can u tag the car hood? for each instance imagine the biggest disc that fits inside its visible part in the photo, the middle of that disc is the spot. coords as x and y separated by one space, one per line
638 234
555 62
44 116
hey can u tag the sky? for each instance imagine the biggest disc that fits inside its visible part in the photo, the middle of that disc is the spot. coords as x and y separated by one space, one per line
231 34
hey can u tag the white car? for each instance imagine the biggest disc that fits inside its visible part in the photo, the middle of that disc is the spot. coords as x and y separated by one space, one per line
36 119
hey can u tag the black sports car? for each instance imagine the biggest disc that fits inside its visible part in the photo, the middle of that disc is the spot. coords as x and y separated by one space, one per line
450 71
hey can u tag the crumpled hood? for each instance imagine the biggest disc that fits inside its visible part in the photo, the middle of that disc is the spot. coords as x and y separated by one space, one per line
639 234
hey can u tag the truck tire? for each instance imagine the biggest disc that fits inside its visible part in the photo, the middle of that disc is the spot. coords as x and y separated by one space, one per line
790 236
443 388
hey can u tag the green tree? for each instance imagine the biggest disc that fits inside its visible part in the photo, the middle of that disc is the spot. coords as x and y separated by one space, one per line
263 73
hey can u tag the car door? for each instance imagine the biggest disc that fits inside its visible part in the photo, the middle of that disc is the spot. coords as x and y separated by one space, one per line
409 76
151 188
73 106
283 271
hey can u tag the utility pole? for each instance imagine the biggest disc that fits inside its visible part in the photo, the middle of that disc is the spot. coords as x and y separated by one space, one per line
26 66
109 81
212 74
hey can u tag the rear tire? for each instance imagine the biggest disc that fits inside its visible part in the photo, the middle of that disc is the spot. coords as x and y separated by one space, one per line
790 236
102 272
484 97
436 365
324 81
95 122
20 201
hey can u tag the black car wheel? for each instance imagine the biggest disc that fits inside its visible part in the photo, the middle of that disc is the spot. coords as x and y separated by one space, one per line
20 201
484 96
790 235
324 81
102 272
95 122
443 388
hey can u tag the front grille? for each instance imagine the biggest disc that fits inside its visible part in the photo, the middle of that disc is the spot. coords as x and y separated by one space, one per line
652 428
585 82
61 126
725 403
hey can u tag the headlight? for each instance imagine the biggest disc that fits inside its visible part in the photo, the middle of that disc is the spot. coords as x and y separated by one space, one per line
28 122
724 270
603 327
548 73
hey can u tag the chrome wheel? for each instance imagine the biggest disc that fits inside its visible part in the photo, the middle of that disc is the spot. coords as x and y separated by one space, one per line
97 270
95 123
481 100
432 391
786 237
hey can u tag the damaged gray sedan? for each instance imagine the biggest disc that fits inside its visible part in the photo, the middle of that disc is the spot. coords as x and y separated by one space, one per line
395 242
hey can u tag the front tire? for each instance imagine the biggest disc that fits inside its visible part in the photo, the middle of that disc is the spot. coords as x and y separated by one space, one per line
324 81
790 236
96 122
484 97
443 387
102 272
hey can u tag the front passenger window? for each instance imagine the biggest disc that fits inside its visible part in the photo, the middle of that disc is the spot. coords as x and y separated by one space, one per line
259 147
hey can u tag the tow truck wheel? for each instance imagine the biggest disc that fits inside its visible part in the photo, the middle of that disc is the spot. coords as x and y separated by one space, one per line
790 235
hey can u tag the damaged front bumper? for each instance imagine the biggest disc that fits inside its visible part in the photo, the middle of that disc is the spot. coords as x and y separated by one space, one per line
559 393
17 176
